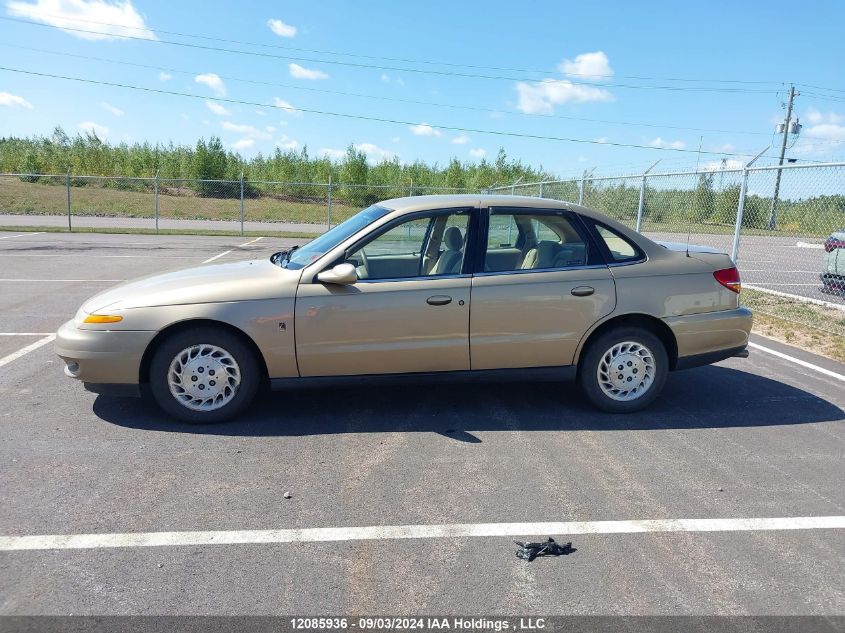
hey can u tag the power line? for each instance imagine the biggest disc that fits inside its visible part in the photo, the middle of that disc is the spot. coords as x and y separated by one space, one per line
359 117
390 59
822 88
408 70
382 98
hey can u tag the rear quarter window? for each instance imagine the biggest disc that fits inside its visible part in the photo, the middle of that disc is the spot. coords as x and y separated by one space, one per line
619 249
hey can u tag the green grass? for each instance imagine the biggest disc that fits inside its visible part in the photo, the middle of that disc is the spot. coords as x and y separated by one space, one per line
815 316
23 198
809 326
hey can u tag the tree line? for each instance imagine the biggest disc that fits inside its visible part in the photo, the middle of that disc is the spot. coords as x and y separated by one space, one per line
86 154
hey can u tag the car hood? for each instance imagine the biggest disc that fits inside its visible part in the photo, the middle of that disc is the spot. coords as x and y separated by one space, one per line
213 283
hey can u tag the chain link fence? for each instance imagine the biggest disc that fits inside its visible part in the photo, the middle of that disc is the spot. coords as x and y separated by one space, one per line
775 221
158 203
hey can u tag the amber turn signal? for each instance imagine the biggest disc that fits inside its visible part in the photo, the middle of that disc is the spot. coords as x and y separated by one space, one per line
102 318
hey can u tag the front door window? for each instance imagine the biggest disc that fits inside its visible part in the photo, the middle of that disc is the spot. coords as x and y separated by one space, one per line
425 246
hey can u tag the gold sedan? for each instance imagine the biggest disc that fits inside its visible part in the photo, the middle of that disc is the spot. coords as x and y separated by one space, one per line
430 286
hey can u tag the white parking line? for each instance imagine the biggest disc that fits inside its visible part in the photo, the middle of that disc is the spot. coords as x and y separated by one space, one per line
808 245
390 532
24 333
797 361
211 259
94 256
26 350
60 280
250 242
8 237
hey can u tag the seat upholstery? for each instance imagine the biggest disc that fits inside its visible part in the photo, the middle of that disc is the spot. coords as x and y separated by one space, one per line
449 262
530 259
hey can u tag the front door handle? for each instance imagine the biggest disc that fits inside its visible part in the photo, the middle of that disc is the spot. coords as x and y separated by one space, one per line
583 291
438 300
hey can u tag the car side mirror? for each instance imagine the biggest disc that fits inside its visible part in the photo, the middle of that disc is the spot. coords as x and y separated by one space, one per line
342 275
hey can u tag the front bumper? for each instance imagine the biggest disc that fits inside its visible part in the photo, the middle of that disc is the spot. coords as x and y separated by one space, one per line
102 356
715 335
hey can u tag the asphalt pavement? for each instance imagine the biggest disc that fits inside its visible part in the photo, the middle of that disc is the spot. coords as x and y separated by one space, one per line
747 438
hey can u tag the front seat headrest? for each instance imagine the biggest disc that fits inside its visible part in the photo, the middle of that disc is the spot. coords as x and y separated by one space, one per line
453 239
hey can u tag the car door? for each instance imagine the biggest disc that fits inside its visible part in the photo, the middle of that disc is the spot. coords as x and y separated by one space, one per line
541 286
408 311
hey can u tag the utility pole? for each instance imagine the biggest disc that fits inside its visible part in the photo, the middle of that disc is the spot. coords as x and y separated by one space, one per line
772 224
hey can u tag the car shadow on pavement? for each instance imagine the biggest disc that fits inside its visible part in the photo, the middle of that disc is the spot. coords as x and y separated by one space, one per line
707 397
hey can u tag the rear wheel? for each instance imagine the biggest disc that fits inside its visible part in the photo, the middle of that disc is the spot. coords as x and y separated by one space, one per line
204 375
624 370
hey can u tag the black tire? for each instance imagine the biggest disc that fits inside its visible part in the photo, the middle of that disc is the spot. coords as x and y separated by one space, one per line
589 365
247 364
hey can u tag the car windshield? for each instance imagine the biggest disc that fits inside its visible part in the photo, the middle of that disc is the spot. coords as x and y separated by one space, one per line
313 250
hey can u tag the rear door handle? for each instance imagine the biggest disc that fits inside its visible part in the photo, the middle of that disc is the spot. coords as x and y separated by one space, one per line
583 291
438 300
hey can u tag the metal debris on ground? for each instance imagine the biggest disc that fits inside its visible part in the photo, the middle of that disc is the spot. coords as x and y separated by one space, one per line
530 551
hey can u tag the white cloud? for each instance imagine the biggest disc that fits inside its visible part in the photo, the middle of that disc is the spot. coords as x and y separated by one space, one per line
333 154
298 72
281 29
395 139
285 142
388 79
100 19
826 131
287 107
541 97
163 76
89 127
217 109
424 129
110 108
14 101
247 130
463 139
601 139
244 143
659 142
590 66
815 117
213 81
270 128
477 152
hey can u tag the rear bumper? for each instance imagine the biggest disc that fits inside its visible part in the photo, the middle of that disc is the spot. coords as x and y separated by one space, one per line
102 356
710 337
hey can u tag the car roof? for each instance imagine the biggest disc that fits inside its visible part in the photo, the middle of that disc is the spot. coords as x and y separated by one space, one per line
422 203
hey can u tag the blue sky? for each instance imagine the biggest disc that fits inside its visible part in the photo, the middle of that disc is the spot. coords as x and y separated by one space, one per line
596 61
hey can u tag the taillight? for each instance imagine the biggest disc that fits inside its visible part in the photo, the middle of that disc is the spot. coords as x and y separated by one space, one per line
832 243
729 278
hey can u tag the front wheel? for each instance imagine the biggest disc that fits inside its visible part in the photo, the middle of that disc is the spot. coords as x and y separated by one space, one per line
624 370
204 375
